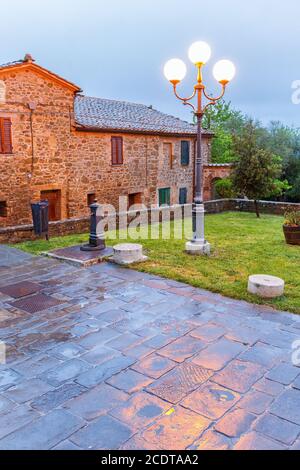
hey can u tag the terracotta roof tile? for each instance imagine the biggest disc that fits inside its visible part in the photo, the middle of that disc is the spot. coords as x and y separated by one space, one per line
104 114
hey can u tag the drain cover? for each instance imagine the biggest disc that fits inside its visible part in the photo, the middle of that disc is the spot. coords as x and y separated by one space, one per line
36 303
21 289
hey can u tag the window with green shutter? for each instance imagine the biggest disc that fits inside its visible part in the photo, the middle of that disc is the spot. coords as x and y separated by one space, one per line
185 152
182 195
164 196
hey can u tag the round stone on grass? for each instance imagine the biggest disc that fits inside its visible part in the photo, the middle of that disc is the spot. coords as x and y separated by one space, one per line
127 253
265 286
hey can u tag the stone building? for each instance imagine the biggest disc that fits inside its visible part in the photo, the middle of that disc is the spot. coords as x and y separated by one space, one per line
59 145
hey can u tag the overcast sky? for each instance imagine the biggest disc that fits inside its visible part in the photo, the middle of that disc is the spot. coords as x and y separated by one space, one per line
117 48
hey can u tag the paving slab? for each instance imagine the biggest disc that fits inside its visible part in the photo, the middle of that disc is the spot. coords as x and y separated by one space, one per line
177 429
235 423
154 366
15 419
129 381
182 348
96 375
211 400
57 397
277 428
255 441
27 390
264 354
284 373
218 354
256 402
141 410
212 440
286 406
43 433
75 256
104 433
6 404
239 375
98 401
69 370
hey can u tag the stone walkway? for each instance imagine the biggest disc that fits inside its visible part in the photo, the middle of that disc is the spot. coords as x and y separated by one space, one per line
109 358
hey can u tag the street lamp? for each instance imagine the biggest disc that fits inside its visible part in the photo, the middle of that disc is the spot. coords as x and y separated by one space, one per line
224 71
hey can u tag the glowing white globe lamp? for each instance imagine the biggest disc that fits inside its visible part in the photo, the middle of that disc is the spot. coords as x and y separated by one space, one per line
175 70
224 71
199 52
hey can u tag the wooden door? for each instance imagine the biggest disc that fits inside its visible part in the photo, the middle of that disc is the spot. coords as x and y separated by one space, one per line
53 198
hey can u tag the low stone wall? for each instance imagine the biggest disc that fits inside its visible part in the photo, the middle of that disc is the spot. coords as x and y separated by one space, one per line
21 233
266 207
81 225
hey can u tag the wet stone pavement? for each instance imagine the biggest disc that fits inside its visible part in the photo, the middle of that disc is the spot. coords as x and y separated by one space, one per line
109 358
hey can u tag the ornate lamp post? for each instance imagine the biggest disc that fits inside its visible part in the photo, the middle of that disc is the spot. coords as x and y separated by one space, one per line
175 71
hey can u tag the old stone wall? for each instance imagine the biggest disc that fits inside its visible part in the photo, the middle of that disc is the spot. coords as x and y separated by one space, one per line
50 155
211 174
40 140
176 175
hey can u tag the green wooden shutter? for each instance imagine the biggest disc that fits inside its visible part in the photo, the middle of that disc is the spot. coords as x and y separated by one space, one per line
182 195
185 152
164 196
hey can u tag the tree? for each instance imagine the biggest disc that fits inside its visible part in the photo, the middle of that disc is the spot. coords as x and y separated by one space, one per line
223 120
224 188
292 174
222 115
256 170
222 147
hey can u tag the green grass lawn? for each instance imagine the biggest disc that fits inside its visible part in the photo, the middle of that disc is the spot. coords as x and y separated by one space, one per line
241 245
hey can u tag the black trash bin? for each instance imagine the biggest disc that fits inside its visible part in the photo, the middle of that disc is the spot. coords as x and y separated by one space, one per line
40 218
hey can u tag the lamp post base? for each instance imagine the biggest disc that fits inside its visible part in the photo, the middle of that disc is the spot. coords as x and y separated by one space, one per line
198 248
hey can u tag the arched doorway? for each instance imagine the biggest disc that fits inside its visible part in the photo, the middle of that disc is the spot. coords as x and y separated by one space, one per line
214 192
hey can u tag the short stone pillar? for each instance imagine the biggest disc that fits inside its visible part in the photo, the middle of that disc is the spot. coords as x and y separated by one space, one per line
127 253
97 237
265 286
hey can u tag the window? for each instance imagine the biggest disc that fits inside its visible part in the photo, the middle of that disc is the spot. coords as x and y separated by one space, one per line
168 156
91 198
164 196
182 195
116 150
5 135
185 152
134 198
3 209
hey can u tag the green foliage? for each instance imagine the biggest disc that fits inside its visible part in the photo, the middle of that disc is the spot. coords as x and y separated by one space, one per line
276 138
292 217
280 140
221 148
256 170
293 195
223 116
278 188
223 121
292 174
224 188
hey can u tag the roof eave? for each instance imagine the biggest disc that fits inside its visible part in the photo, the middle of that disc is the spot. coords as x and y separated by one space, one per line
42 71
136 131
